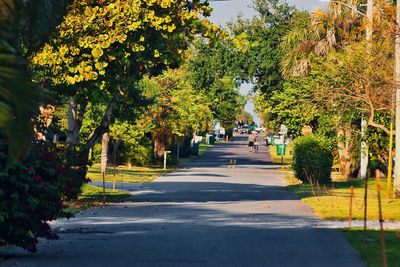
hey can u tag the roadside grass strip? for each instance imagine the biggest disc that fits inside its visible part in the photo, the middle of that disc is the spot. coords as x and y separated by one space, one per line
332 202
92 196
125 174
371 251
287 158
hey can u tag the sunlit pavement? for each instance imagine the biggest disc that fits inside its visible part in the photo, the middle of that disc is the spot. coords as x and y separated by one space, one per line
227 208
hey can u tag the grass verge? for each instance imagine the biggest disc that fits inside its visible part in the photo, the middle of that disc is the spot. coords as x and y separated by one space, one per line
92 197
125 174
334 203
287 158
137 174
371 251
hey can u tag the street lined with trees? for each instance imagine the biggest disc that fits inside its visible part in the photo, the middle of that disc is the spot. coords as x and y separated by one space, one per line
114 85
319 69
126 82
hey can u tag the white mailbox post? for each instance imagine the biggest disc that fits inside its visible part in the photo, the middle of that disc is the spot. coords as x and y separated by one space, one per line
165 159
283 134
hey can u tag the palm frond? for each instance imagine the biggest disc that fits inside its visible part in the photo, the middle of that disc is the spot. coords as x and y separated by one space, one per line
19 100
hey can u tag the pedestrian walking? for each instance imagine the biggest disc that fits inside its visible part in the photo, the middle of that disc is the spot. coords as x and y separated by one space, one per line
256 138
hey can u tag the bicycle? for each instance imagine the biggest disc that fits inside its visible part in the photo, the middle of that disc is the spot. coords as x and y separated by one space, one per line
255 147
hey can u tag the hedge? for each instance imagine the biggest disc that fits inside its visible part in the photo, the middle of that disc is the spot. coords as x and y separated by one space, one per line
312 159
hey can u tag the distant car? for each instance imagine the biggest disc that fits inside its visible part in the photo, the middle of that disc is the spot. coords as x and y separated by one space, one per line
245 129
260 129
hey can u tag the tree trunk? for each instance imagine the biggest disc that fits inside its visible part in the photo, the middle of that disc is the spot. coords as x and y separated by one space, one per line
104 151
345 155
162 138
105 123
75 120
90 154
46 118
115 149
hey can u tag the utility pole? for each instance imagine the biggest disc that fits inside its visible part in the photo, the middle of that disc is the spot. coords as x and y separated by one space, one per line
364 147
397 91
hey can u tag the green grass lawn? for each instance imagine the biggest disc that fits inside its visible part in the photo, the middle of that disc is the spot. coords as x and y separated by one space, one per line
287 158
125 174
371 251
92 196
335 204
138 174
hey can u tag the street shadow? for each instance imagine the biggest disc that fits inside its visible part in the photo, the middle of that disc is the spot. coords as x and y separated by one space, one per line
177 174
187 235
208 191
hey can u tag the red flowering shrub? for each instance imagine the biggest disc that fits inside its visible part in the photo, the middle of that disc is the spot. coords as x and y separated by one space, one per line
32 191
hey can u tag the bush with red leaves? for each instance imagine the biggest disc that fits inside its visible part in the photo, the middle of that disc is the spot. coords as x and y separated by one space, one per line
33 190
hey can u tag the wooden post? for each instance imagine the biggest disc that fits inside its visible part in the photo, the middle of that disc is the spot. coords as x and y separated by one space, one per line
365 209
389 176
332 197
351 204
114 179
378 187
104 188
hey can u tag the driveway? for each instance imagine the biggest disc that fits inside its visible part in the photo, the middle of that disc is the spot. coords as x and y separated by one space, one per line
227 208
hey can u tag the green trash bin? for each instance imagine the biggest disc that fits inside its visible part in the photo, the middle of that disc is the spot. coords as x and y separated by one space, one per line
195 149
279 149
272 141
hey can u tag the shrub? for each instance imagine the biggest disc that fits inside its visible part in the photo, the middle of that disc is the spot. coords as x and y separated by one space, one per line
32 191
312 159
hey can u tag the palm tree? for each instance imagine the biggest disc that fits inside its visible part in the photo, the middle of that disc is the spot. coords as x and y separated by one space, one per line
24 26
317 35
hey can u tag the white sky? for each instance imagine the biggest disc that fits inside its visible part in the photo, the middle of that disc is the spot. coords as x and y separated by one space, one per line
225 11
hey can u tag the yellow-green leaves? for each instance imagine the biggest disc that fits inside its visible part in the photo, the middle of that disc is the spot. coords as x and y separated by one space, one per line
121 33
97 52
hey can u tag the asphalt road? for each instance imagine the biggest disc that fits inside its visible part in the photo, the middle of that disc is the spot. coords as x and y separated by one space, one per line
227 208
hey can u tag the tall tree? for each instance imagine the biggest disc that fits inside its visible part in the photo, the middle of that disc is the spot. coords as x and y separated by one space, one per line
179 109
213 72
102 45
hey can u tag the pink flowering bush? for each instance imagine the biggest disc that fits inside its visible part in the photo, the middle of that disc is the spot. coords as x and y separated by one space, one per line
33 190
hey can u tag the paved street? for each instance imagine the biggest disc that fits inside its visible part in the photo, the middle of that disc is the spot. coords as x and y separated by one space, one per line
227 208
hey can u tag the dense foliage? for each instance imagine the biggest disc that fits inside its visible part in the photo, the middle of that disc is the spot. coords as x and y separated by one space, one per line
312 159
95 68
24 26
213 72
318 69
33 190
